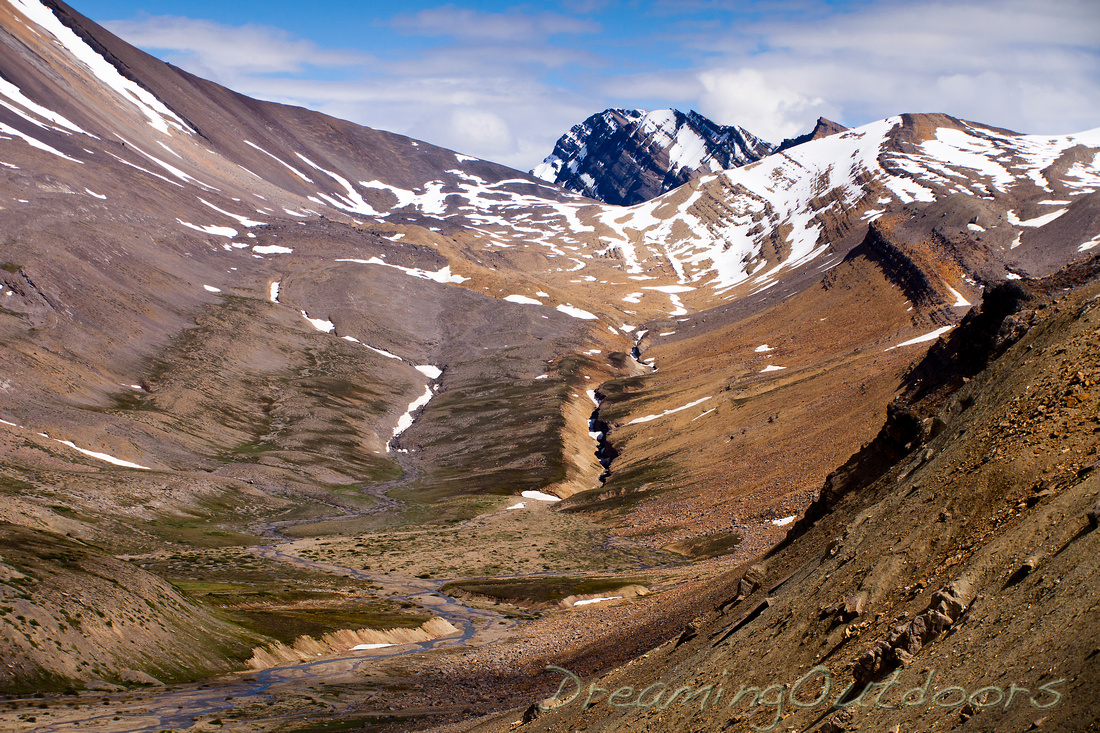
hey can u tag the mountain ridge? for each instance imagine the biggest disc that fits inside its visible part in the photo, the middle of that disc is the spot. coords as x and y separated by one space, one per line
822 128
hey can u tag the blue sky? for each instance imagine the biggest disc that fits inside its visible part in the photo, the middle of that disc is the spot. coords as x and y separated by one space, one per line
503 80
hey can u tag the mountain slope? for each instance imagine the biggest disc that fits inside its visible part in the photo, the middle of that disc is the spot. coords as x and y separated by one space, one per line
944 588
627 156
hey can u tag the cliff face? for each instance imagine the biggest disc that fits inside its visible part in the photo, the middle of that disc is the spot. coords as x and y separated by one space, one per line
910 266
626 156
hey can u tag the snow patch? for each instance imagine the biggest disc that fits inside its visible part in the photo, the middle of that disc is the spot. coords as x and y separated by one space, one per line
243 221
570 310
320 323
288 166
647 418
1086 246
212 229
35 143
522 300
932 336
1036 222
538 496
959 300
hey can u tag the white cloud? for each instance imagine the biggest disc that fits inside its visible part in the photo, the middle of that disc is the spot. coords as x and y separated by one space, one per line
1030 66
764 107
228 52
505 85
472 25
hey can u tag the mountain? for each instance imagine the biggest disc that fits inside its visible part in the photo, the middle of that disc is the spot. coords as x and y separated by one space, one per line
626 156
822 128
285 394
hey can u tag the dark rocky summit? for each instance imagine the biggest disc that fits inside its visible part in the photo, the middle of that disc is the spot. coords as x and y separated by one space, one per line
823 128
626 156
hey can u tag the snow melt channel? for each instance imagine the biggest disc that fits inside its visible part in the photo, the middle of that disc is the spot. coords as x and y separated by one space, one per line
405 421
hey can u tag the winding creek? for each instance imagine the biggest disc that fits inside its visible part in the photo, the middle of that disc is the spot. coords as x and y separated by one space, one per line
178 707
181 706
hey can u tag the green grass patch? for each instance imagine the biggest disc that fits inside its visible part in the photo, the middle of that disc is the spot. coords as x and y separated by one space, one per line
540 590
253 448
223 594
623 490
620 390
287 624
369 724
721 543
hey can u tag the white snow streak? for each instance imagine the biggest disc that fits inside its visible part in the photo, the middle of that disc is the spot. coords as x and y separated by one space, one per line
101 456
440 276
159 116
35 143
288 166
647 418
921 339
212 229
405 421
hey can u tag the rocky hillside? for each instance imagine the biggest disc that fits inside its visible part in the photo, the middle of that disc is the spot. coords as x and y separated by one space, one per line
627 156
939 579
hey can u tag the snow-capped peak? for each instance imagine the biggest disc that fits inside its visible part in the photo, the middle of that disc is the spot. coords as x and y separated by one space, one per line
626 156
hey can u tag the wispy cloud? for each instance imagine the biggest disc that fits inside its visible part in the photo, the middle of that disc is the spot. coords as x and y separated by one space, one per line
1026 65
512 27
229 52
504 84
